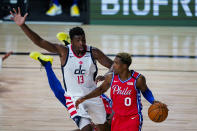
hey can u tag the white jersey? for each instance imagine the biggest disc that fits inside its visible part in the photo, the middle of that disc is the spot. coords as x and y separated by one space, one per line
79 73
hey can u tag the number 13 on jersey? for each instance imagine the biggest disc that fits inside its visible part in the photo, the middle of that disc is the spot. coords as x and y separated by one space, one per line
80 79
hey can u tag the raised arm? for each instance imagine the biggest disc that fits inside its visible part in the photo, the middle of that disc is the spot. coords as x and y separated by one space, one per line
102 58
98 91
20 21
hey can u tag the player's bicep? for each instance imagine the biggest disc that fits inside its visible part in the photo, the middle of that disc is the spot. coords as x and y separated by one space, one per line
102 58
141 83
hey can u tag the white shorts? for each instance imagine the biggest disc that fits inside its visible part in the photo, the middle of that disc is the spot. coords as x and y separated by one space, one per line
92 109
84 122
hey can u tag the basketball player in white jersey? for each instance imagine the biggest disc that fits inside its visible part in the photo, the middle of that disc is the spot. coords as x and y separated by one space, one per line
79 69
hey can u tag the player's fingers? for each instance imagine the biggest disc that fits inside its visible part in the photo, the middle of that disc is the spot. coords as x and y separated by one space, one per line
96 81
157 102
165 105
99 78
77 105
25 15
11 13
14 10
19 10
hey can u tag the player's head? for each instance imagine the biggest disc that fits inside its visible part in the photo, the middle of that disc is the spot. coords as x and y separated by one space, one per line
78 40
122 62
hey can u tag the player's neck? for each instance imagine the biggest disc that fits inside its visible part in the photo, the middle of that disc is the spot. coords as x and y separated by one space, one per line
125 75
79 53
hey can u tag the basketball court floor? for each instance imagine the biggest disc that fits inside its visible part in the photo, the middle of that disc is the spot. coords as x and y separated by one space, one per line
166 56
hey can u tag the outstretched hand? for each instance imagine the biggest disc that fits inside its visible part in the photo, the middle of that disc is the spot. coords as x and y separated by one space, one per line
79 101
99 78
17 18
6 55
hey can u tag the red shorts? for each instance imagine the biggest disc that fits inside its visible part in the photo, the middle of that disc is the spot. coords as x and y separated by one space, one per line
126 123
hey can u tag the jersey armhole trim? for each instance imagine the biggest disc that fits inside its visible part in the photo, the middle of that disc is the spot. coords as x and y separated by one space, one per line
64 79
66 58
94 62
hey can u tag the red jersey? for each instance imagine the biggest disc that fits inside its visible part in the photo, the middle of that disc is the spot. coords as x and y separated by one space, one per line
125 96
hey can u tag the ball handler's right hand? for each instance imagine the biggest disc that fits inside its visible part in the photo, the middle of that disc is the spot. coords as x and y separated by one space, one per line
161 103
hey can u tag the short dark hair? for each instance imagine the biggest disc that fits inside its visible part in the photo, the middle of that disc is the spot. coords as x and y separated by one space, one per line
76 31
125 58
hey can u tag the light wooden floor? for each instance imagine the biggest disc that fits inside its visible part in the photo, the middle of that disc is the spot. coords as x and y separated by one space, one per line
27 103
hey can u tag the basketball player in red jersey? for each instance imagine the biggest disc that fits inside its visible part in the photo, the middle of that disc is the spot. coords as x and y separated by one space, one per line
126 86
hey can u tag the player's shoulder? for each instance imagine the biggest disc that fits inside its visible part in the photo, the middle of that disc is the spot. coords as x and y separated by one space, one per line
63 50
135 74
60 48
141 76
141 79
94 49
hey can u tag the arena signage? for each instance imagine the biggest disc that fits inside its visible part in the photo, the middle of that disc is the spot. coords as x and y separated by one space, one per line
148 5
151 12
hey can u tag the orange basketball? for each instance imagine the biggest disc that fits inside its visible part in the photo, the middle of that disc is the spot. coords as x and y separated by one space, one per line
158 112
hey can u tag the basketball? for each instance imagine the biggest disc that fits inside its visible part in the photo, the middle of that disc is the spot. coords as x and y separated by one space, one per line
158 112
